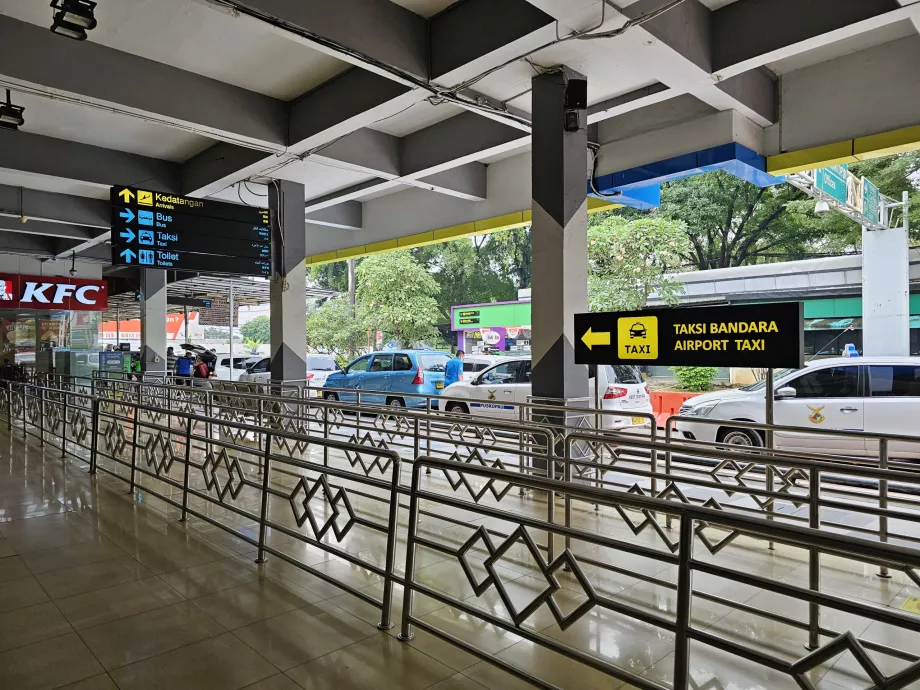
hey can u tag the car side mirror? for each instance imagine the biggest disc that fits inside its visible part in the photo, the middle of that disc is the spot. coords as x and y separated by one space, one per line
785 393
476 381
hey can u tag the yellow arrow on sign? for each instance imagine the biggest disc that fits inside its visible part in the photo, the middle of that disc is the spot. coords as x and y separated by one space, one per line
591 339
126 194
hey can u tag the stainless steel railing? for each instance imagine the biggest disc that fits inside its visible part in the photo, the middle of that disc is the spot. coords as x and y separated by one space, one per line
592 525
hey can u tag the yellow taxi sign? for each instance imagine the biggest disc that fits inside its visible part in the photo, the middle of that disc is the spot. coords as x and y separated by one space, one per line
637 337
750 335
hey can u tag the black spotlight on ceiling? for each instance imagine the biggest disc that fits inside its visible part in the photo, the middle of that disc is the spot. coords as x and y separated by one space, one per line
73 18
11 115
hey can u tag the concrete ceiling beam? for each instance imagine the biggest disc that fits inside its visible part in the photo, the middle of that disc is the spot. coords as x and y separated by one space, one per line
34 153
45 229
50 207
789 27
346 215
378 29
90 73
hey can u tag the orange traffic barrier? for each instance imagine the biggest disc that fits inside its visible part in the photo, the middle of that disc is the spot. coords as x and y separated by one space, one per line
667 403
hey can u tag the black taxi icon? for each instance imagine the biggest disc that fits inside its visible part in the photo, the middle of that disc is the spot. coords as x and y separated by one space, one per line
638 330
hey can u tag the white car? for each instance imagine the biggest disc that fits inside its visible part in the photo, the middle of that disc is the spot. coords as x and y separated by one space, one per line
318 369
499 390
240 365
874 394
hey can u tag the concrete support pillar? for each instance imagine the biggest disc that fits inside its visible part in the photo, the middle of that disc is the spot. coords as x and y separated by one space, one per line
559 239
153 321
288 283
885 292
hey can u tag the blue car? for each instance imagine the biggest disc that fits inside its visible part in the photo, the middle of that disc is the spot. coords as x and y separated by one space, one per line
391 378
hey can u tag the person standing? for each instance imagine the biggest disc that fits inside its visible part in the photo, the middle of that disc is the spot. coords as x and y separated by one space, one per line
171 360
184 369
200 373
453 372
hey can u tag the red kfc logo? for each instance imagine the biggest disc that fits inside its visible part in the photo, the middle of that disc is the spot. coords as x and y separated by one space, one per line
38 292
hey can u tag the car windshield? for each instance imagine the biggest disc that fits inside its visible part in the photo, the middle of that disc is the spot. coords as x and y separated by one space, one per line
622 373
433 362
762 384
323 363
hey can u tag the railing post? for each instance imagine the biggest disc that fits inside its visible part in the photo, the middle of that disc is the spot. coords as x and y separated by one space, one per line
416 443
41 417
667 463
551 496
9 408
185 473
134 450
684 598
64 428
521 490
428 431
386 615
405 633
94 441
883 500
814 558
263 514
326 434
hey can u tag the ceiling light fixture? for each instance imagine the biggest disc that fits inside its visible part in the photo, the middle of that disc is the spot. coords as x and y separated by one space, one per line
73 264
73 18
11 115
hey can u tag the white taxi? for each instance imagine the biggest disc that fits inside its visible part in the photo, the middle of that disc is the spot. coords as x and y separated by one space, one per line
874 394
501 389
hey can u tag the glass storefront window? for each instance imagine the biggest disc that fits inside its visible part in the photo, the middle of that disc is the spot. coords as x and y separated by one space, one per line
65 342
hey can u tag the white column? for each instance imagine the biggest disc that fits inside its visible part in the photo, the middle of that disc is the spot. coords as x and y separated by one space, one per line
231 330
885 291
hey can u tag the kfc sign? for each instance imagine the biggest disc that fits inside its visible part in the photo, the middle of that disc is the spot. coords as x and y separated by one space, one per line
37 292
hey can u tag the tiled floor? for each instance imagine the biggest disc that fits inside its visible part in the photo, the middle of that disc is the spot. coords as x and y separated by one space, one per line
101 590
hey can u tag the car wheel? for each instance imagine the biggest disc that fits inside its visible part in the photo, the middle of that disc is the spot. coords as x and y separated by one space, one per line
331 396
457 408
396 402
745 438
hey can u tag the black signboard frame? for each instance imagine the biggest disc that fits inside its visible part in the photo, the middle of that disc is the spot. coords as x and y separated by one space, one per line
172 232
762 336
173 203
204 263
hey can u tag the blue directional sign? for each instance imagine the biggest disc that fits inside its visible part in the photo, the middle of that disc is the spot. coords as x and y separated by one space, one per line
154 229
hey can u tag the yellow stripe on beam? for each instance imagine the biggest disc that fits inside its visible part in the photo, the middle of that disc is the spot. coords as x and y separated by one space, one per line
351 253
887 143
595 205
323 258
455 232
511 220
810 159
385 246
418 240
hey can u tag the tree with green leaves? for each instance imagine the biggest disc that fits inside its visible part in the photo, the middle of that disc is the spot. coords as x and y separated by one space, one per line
334 327
397 295
630 259
258 328
466 272
731 222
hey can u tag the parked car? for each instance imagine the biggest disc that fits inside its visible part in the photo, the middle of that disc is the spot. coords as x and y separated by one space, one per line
501 388
875 394
473 364
391 377
319 366
240 366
